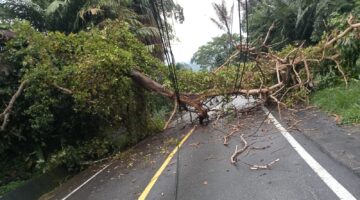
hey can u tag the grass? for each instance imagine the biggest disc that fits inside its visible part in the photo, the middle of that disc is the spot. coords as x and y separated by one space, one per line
340 101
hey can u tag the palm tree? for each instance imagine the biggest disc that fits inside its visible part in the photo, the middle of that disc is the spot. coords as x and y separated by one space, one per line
295 20
225 19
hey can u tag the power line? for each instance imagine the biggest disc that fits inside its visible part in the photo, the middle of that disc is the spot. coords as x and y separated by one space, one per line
240 46
245 60
162 25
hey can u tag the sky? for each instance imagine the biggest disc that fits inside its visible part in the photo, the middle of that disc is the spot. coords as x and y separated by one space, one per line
197 28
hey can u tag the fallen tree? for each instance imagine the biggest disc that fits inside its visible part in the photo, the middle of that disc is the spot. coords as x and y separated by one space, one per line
292 71
279 74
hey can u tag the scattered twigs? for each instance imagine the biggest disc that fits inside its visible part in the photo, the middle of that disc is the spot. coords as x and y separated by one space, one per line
6 113
237 152
172 114
279 104
263 167
226 137
293 125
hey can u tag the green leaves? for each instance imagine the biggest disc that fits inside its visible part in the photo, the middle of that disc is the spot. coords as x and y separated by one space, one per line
295 20
93 66
215 52
55 5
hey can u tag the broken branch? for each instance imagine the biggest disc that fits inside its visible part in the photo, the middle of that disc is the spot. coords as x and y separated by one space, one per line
262 167
237 152
5 114
172 115
226 137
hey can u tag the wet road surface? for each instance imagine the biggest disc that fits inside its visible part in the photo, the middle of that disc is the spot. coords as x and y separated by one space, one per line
201 169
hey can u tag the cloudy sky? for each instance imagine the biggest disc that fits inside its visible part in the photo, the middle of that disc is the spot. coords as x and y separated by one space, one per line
197 28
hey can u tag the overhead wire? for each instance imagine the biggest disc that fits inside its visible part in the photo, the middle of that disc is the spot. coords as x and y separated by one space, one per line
166 44
170 59
245 60
240 46
172 64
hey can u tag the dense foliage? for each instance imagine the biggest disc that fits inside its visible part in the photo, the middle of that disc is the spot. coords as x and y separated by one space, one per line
77 88
297 20
78 103
215 52
301 31
73 16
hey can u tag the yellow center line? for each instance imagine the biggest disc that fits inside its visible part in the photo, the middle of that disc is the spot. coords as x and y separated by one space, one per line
153 180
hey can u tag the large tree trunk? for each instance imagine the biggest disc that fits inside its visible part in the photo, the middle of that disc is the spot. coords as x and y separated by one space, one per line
154 86
195 100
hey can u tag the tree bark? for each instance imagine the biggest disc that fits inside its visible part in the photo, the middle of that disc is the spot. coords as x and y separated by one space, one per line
194 100
154 86
6 113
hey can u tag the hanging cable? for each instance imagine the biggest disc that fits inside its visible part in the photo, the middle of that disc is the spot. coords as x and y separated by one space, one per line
246 56
165 42
172 64
157 19
240 47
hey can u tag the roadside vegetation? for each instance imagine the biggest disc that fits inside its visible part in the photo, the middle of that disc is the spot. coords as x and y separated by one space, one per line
67 60
340 101
303 24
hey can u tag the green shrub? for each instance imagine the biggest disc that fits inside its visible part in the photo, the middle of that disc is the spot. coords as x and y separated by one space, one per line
340 101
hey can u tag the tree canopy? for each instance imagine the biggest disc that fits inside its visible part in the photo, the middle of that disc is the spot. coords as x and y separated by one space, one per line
65 86
296 20
215 52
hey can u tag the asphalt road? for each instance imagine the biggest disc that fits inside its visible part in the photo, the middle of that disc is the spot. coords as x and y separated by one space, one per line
201 169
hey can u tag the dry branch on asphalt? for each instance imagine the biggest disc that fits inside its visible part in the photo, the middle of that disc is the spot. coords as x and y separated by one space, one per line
263 167
226 137
233 158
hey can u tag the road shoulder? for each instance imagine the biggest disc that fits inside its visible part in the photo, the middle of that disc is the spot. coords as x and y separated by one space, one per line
342 143
128 174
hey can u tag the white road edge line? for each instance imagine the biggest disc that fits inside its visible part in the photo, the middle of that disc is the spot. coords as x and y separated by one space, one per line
328 179
80 186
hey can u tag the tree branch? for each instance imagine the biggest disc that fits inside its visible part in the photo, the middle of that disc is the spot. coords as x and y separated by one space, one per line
5 114
344 33
62 89
272 27
172 114
237 152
